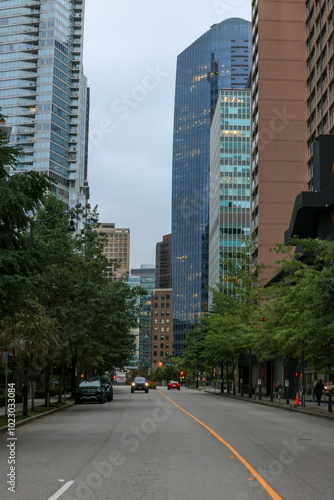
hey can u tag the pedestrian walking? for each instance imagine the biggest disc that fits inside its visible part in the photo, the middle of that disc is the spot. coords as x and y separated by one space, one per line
319 387
279 390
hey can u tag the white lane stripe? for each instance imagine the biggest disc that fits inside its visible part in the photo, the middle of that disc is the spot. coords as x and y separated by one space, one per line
62 490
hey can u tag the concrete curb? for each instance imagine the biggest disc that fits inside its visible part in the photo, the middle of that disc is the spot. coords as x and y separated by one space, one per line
283 406
36 417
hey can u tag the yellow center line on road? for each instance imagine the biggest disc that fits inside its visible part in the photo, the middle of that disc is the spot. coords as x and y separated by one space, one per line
260 479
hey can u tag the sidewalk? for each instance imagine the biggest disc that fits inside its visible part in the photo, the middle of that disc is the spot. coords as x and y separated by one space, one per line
311 407
38 402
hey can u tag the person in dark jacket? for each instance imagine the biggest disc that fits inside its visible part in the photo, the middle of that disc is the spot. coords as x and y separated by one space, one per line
319 387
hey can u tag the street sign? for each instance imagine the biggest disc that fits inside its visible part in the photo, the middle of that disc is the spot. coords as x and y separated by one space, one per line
169 364
259 381
286 383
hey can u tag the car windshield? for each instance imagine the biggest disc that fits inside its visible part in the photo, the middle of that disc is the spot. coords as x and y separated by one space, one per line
91 383
140 380
173 382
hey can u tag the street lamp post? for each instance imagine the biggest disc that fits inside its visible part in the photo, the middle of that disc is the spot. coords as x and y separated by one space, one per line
71 228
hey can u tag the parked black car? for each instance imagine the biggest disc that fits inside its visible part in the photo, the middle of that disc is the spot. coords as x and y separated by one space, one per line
108 388
105 381
139 384
91 390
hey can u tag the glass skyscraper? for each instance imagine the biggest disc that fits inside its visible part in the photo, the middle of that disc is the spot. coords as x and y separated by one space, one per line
146 274
43 91
221 58
230 186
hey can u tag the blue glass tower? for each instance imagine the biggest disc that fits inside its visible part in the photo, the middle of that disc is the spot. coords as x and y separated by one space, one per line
221 58
43 91
147 281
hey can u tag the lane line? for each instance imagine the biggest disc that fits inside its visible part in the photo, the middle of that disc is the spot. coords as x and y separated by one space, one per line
62 490
260 479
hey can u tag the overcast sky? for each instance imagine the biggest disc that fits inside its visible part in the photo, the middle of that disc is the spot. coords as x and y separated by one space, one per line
130 52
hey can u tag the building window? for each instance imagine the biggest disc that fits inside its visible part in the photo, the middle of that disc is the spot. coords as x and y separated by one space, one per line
155 346
162 297
155 321
162 321
162 305
167 297
161 354
167 304
155 337
167 337
162 345
162 329
162 313
167 346
155 313
155 353
167 313
162 337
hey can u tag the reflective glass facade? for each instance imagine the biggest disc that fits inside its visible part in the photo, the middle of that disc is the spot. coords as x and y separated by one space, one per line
221 58
43 92
230 185
147 281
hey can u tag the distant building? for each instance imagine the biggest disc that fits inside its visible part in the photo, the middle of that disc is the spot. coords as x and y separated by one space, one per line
163 263
230 188
44 93
281 80
220 58
162 338
117 248
146 273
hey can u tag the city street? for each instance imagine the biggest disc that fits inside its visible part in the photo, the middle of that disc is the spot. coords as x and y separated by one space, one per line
171 445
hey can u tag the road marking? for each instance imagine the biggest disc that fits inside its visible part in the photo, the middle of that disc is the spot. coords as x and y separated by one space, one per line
260 479
62 490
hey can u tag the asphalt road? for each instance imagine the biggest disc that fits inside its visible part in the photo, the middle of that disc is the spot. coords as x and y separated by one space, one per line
144 447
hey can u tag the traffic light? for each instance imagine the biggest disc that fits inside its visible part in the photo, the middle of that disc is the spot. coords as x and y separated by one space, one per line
181 373
160 364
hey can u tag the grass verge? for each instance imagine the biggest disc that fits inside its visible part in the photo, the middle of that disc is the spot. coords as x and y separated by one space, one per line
37 411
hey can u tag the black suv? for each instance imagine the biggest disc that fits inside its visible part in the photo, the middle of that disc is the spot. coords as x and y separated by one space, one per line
91 390
139 384
108 388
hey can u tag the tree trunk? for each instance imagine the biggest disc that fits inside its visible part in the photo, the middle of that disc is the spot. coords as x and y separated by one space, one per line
228 379
271 380
222 378
250 375
47 385
73 380
286 378
32 388
61 380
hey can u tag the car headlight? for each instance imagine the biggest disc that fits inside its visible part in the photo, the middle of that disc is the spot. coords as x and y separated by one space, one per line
133 384
146 383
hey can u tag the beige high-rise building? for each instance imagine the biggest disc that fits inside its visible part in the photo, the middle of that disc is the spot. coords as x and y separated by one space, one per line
117 248
279 127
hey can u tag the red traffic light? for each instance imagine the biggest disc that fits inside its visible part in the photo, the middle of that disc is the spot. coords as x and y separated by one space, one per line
181 373
160 364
